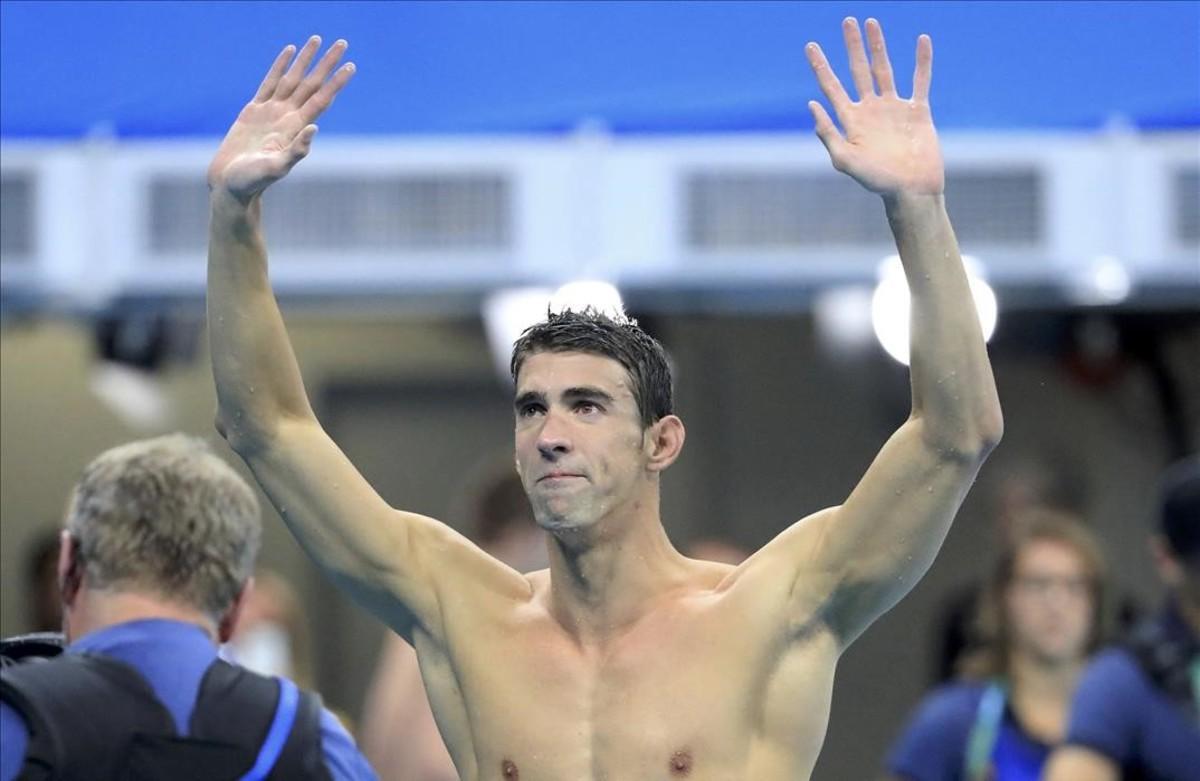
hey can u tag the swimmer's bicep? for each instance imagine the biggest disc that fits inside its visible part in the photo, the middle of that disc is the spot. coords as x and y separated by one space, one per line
867 553
389 561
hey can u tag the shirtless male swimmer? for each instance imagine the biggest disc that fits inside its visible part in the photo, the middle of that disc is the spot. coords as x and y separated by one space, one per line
624 660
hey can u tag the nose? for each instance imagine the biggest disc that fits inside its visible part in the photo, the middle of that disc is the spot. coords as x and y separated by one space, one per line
552 441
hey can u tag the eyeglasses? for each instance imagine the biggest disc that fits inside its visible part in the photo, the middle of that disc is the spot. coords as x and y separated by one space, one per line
1043 585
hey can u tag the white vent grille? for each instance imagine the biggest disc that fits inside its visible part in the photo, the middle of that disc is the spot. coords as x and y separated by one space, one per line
1186 197
755 210
17 216
996 207
406 213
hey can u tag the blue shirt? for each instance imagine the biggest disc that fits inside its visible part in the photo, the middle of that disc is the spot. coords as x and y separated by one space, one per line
173 657
1119 713
933 746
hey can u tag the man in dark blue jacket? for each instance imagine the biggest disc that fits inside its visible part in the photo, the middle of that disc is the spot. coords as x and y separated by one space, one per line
156 559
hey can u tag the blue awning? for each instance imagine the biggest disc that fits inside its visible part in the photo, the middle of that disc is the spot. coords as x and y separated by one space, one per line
169 69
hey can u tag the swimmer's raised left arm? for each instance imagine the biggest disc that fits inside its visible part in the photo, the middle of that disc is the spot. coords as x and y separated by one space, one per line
854 562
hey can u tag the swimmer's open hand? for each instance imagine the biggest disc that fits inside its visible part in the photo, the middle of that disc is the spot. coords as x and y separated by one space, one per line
889 144
275 130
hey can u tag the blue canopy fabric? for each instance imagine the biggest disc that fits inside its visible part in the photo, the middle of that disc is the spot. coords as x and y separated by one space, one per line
172 69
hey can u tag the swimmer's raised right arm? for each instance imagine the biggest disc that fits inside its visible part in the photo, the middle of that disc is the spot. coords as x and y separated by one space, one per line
393 563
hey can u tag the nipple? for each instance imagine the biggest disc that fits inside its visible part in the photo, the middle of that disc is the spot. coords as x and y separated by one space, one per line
681 763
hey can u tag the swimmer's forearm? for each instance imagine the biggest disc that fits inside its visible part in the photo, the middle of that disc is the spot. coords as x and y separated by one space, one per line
954 393
257 377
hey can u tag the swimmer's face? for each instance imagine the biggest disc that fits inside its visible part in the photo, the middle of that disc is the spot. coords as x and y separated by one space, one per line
579 438
1050 602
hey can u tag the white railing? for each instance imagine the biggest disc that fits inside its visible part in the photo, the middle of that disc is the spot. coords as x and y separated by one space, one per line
585 205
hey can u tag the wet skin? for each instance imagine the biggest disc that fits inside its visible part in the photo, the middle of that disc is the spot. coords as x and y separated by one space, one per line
623 660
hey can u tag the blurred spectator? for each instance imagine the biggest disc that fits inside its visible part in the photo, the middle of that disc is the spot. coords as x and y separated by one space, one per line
1030 481
1026 482
153 567
1042 613
44 605
399 734
1136 713
272 636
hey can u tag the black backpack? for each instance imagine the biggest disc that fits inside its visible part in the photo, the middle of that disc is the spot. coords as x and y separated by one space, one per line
93 717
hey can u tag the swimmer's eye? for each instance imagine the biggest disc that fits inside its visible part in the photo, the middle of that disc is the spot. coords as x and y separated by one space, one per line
529 410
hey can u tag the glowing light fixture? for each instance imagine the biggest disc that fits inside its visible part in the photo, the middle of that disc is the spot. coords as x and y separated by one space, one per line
506 313
891 305
589 293
1104 281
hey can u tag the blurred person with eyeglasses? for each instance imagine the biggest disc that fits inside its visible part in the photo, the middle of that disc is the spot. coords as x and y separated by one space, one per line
1042 613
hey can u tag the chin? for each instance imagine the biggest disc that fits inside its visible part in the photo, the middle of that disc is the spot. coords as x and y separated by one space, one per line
559 516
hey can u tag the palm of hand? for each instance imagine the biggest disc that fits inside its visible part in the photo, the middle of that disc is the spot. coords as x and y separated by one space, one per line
891 146
274 131
254 151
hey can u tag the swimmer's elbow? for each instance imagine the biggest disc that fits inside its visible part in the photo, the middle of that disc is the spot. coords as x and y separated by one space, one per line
967 441
243 436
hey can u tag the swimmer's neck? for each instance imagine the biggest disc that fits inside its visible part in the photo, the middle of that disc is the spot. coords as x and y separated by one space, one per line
603 585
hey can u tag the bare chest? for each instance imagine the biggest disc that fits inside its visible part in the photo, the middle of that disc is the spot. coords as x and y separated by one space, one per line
694 693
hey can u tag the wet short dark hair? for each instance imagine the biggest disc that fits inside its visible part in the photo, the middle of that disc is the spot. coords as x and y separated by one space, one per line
618 338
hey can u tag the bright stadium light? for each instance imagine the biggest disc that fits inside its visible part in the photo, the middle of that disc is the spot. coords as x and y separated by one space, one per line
589 294
891 305
1105 281
506 313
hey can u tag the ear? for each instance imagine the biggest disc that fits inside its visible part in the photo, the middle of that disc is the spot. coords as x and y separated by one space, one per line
228 623
663 441
70 568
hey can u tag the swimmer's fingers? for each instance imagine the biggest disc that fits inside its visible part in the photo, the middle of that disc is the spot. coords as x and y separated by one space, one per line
924 72
316 78
881 67
860 70
299 148
828 133
291 79
271 80
329 89
827 79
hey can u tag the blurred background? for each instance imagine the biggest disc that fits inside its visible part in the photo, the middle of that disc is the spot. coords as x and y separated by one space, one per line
487 154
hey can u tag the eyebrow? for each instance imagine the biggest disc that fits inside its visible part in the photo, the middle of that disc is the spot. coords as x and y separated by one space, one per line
585 392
